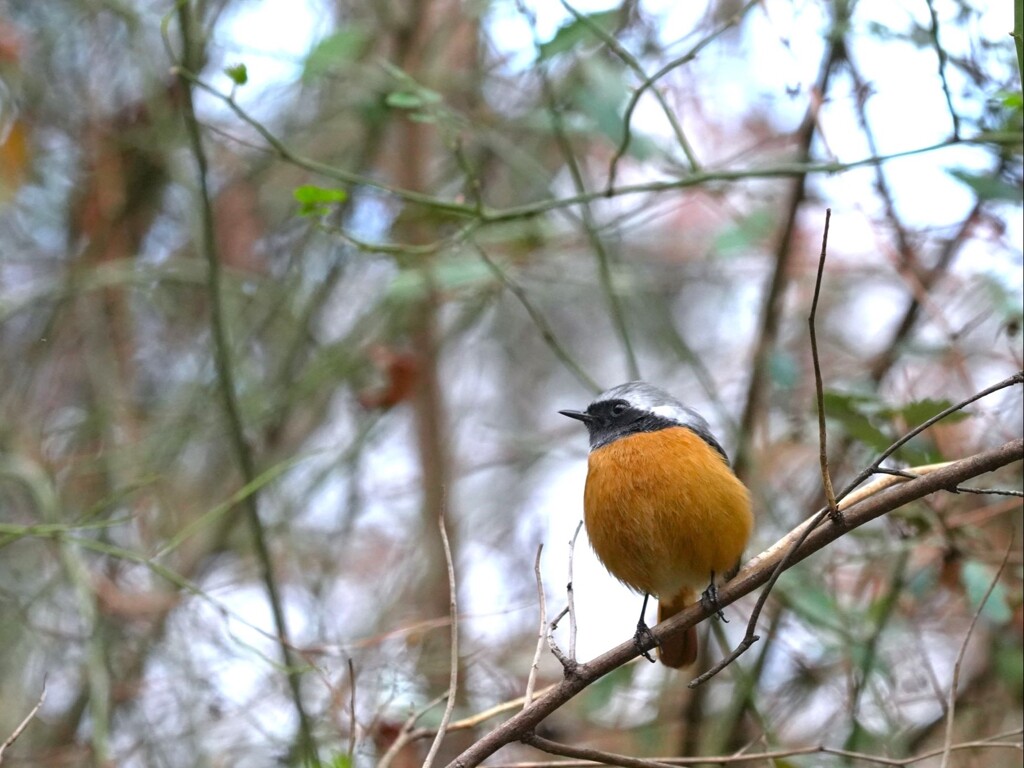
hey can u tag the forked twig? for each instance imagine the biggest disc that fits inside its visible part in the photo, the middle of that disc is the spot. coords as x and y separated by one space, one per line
568 661
556 651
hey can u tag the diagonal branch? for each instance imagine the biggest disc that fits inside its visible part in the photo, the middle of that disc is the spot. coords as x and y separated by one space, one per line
757 572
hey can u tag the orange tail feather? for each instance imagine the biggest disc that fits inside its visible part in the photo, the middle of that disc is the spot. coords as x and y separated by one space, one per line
680 651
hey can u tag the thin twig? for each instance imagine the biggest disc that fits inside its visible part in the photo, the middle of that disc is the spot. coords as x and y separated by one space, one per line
951 702
630 61
531 681
474 720
990 491
400 249
826 478
597 756
933 32
24 723
908 256
226 383
556 651
453 677
570 594
547 333
648 82
585 753
540 207
883 609
1010 381
407 734
352 709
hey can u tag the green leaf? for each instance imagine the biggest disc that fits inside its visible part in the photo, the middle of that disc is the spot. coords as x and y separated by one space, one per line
340 760
745 234
1010 667
315 201
1012 99
1006 302
783 369
238 73
854 412
413 98
403 100
989 187
976 578
337 49
607 688
573 32
813 603
453 276
920 411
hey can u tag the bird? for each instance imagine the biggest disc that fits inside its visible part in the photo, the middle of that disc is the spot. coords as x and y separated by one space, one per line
664 511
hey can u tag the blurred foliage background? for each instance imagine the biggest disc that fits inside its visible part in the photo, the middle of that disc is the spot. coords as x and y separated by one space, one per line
269 308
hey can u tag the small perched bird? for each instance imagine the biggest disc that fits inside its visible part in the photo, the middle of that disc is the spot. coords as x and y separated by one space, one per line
663 509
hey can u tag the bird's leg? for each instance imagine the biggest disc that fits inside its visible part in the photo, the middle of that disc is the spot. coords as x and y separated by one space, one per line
709 600
643 632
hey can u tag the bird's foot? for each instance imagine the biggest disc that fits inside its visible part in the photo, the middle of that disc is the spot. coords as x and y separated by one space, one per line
709 601
642 637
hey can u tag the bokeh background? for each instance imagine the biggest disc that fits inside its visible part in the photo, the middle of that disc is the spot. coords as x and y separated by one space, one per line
248 360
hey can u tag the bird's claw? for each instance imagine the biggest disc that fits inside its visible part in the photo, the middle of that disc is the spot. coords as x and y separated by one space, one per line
642 637
709 602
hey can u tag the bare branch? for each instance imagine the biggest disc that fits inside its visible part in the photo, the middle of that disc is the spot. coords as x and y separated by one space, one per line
23 724
543 610
571 594
826 479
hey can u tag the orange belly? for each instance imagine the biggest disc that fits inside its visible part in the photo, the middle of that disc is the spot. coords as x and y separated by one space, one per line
663 511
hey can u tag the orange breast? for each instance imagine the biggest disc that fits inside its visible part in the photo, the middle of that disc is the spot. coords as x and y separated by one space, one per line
663 510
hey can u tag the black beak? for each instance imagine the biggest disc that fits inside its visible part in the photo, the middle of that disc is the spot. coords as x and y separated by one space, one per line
586 418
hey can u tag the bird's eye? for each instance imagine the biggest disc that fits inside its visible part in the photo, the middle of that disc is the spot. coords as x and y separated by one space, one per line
618 409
